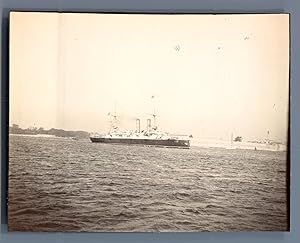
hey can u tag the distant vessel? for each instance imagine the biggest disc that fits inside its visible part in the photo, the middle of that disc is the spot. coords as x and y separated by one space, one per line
152 136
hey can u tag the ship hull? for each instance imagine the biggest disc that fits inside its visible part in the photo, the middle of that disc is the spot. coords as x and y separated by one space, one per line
174 143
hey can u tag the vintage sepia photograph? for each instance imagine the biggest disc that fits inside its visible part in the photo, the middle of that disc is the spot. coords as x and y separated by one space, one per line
131 122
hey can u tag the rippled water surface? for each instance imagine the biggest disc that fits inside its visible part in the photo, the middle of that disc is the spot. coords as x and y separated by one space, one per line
66 185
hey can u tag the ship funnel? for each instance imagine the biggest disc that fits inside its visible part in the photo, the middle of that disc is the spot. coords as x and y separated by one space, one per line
148 125
138 125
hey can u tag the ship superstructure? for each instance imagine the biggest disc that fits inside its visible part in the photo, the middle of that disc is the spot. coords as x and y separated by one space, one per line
151 136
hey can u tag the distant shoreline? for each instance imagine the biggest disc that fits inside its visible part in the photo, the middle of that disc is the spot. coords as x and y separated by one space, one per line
15 129
202 143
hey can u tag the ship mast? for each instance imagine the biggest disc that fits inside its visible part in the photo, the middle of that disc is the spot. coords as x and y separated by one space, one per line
115 114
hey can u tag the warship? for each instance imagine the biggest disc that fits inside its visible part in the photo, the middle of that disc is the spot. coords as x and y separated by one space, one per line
151 136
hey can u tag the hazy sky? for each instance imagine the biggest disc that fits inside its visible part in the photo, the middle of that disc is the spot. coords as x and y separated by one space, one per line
212 75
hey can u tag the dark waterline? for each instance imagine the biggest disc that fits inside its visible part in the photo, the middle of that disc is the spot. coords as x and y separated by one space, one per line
66 185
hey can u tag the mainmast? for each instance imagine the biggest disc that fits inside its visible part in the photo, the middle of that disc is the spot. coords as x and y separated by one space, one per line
115 114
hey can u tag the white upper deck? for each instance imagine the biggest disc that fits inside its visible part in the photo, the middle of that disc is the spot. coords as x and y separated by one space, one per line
142 135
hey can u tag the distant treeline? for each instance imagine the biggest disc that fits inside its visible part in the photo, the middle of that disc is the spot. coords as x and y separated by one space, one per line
15 129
